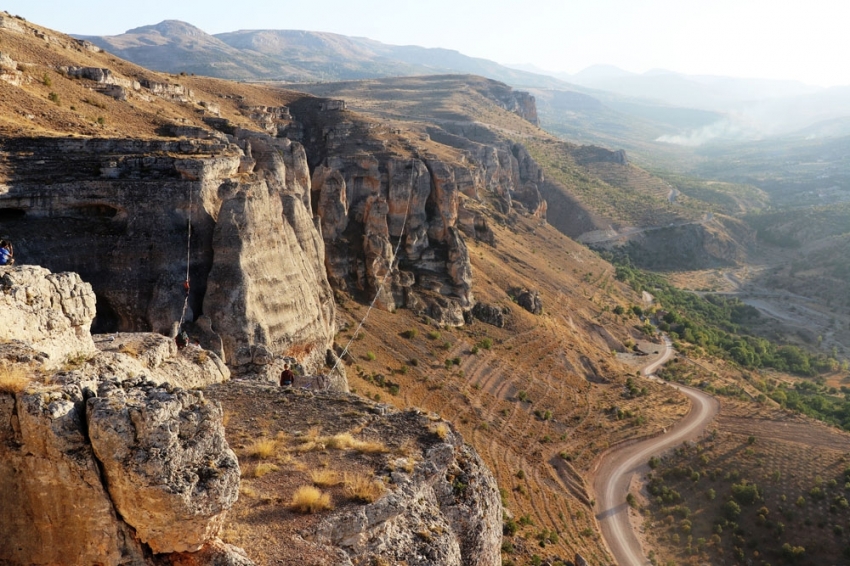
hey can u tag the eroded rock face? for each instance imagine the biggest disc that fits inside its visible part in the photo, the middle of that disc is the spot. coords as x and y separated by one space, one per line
451 495
169 470
118 212
55 510
52 312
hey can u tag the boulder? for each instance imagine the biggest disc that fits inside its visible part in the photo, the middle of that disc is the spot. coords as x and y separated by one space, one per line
53 504
169 470
528 299
51 312
489 313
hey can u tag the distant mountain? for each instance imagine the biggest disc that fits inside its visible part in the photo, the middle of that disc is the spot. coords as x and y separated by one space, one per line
296 56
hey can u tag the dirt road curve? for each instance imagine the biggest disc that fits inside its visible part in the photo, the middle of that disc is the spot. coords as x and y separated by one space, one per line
615 471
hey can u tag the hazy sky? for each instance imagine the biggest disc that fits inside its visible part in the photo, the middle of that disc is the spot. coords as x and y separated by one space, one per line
803 40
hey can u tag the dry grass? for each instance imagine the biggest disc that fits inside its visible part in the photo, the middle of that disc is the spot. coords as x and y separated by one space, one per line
13 378
129 349
263 449
262 469
359 487
441 430
325 478
308 499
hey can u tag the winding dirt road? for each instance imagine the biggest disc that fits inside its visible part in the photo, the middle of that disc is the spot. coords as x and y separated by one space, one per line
616 469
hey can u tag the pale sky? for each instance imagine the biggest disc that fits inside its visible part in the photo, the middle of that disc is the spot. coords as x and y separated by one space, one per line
807 41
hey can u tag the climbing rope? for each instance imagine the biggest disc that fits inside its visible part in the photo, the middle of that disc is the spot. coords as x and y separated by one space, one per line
386 275
188 258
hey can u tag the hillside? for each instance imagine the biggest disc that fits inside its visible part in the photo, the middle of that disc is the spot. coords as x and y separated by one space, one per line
436 200
118 144
293 55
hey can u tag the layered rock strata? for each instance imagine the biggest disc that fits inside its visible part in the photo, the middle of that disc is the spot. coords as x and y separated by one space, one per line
119 213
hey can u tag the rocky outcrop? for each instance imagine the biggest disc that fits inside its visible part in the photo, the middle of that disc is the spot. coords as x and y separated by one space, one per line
168 468
98 470
490 314
445 511
118 213
50 312
528 299
215 553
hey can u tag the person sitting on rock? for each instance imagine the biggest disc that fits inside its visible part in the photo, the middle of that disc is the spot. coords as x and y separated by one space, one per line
182 340
6 256
287 378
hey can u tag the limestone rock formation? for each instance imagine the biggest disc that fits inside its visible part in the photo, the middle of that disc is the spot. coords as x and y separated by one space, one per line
168 468
85 479
52 312
118 212
489 313
451 495
528 299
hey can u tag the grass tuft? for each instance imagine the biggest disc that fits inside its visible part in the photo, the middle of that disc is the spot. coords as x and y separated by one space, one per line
13 378
359 487
325 478
308 499
263 449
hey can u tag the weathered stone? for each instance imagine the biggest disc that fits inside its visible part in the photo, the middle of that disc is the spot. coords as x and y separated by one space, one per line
52 312
464 524
214 553
53 507
529 300
169 470
490 314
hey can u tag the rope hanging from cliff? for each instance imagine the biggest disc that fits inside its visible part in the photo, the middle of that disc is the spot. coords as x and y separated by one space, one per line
386 275
188 259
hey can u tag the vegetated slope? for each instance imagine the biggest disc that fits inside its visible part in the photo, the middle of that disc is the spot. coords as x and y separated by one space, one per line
539 398
763 486
814 244
293 55
39 96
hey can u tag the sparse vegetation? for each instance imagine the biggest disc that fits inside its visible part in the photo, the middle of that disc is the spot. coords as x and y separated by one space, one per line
362 488
13 378
308 499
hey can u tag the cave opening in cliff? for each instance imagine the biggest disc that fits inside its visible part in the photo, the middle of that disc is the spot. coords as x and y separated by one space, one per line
106 320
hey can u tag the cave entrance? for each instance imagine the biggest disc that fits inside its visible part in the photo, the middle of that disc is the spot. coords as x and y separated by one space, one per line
106 320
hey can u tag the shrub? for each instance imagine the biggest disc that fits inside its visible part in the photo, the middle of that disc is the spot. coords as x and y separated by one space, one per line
510 528
485 343
370 356
54 98
410 334
434 335
522 395
654 462
45 80
308 499
731 510
359 487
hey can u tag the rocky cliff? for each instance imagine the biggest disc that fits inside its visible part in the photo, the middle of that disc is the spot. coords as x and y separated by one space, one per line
98 463
131 216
